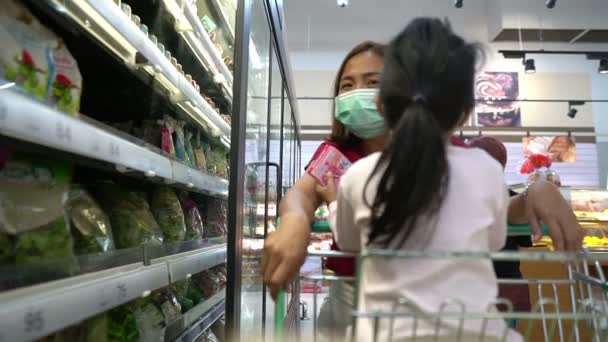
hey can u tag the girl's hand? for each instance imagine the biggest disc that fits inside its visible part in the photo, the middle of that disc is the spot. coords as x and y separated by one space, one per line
328 193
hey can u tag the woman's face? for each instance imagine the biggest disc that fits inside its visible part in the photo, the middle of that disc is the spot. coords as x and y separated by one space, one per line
361 71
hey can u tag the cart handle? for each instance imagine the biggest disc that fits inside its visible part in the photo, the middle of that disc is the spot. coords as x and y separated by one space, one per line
512 229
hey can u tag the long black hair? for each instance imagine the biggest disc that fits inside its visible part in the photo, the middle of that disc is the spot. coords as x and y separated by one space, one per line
425 92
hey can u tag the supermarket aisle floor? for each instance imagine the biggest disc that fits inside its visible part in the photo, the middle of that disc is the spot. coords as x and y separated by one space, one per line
307 325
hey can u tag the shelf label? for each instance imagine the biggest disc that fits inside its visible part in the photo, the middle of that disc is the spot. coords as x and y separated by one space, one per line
33 321
114 149
63 132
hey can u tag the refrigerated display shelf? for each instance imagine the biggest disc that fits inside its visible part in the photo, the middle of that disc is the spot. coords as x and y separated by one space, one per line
112 27
197 320
37 311
189 27
26 119
224 18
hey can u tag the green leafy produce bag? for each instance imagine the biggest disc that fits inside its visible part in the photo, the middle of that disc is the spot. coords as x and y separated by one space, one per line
7 249
149 319
168 213
32 195
122 326
132 221
90 225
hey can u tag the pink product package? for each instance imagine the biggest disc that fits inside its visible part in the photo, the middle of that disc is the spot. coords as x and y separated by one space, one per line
330 160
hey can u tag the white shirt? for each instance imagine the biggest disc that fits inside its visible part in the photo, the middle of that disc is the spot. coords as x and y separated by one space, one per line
472 217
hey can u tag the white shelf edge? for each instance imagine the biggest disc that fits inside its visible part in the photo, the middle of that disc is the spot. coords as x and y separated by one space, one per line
122 24
182 267
37 311
28 120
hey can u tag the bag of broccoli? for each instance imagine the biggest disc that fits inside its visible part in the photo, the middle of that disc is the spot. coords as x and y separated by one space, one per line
122 326
91 228
168 212
132 221
32 194
194 222
187 294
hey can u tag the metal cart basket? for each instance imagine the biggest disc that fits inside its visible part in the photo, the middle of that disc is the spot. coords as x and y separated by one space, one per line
570 305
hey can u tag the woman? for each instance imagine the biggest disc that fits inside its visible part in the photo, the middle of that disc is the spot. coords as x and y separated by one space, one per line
285 250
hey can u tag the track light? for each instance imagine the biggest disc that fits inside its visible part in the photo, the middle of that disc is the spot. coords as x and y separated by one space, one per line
342 3
530 68
458 3
603 68
550 3
571 110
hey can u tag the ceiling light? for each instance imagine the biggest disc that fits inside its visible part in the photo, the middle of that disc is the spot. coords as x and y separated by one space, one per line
530 68
603 68
572 112
550 3
342 3
458 3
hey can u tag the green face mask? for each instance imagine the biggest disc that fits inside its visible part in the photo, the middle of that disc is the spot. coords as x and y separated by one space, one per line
357 110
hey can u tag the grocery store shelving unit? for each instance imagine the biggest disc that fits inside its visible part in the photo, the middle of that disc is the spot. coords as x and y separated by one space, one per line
109 280
33 312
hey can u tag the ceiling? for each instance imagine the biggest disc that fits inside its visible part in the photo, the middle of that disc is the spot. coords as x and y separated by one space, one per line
320 25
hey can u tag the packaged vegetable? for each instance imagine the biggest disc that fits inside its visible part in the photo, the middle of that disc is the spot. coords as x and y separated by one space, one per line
149 319
168 212
180 142
132 221
187 294
26 49
122 326
91 227
221 162
199 152
166 131
189 150
215 218
66 82
194 222
32 193
168 304
207 282
96 329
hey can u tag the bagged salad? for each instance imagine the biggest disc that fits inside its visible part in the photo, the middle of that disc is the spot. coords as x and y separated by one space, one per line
91 228
33 191
194 222
132 221
215 218
149 319
168 212
199 152
122 326
186 294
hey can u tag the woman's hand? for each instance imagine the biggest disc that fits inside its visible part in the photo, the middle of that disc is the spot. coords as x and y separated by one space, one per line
545 203
284 252
327 193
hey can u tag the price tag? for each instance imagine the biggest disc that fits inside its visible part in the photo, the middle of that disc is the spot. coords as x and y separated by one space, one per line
189 178
121 291
33 321
3 113
63 132
114 149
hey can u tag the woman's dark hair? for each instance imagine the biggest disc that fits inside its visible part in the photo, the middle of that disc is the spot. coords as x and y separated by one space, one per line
339 133
426 90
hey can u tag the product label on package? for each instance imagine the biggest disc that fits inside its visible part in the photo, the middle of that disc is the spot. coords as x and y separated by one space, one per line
330 160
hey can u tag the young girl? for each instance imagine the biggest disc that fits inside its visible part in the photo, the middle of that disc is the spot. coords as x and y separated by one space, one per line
421 193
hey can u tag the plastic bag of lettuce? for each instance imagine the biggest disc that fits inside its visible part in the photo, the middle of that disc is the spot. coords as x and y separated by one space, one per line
91 228
168 212
33 191
132 221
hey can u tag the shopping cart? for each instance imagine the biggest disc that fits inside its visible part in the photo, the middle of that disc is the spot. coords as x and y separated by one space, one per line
568 295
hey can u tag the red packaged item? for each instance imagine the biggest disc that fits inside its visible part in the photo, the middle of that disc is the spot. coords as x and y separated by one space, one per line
329 160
